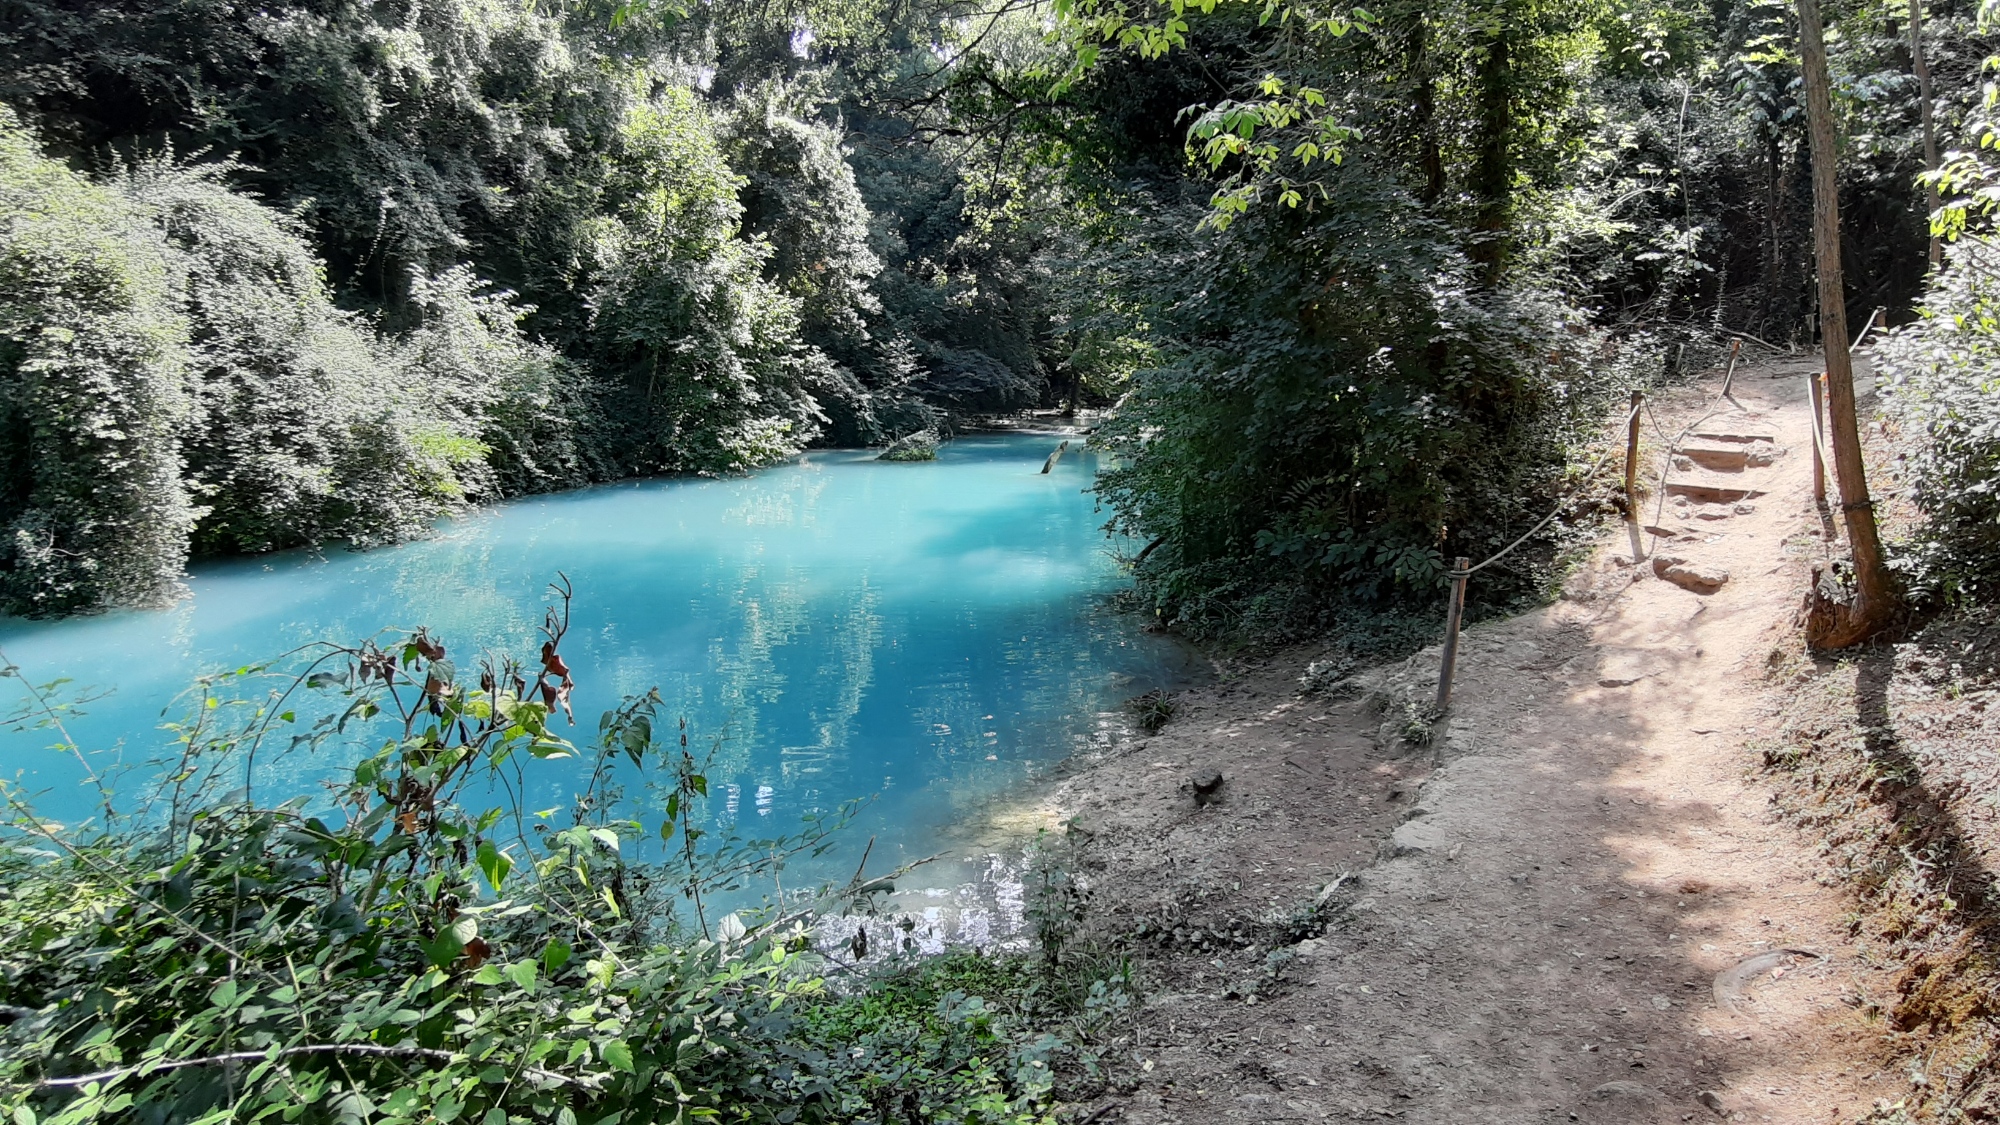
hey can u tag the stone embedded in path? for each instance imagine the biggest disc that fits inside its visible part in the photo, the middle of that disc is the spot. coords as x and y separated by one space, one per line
1730 456
1626 1093
1415 837
1699 578
1207 786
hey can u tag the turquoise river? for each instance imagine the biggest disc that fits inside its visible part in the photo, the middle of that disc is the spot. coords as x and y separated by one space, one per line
927 636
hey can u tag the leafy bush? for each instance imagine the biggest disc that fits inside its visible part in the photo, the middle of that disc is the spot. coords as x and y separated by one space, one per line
307 426
1338 436
1941 381
390 951
1153 710
176 378
93 397
702 342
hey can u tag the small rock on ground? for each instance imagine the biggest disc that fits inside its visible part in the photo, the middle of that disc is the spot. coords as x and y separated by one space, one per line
1700 578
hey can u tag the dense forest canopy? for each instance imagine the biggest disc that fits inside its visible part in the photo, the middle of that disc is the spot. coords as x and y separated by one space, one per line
1356 279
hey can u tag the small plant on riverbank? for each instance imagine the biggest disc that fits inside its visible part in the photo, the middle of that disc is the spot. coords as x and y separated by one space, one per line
391 951
1329 676
1057 898
1153 710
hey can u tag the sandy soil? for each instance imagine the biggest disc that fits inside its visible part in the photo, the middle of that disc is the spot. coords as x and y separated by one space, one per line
1535 917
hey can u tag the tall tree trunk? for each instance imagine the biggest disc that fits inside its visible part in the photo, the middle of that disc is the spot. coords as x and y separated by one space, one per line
1773 234
1493 165
1923 70
1430 155
1829 623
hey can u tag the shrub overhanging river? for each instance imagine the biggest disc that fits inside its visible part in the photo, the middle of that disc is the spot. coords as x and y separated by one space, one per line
927 636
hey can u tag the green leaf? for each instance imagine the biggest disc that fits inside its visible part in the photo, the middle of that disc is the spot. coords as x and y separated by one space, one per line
494 864
443 949
618 1056
23 1115
522 973
555 955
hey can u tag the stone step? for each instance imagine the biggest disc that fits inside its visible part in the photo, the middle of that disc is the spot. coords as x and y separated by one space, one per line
1706 489
1734 437
1719 456
1729 456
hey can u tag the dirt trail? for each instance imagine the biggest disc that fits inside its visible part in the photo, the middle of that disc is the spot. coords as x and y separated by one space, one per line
1539 903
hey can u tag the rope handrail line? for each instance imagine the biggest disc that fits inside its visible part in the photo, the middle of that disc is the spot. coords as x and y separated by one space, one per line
1509 548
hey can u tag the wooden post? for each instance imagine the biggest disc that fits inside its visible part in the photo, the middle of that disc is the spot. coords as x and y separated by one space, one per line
1839 625
1449 663
1729 376
1818 438
1632 479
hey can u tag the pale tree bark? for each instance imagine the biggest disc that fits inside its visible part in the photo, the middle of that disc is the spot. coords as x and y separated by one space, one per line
1923 70
1831 623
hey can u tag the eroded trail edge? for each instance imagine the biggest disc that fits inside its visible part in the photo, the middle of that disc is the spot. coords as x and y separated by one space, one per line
1574 903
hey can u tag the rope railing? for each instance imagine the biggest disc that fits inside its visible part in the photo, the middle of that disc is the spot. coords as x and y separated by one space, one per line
1556 511
1463 568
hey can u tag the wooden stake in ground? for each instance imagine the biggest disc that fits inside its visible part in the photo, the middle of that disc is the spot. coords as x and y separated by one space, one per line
1831 623
1923 70
1454 612
1632 477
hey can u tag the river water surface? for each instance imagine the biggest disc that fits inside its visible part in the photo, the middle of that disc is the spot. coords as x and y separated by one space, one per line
927 636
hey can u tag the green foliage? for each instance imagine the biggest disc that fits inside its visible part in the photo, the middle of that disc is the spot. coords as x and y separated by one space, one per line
308 426
92 393
683 316
401 162
1941 390
1057 898
1153 710
180 380
1350 439
390 951
942 1039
